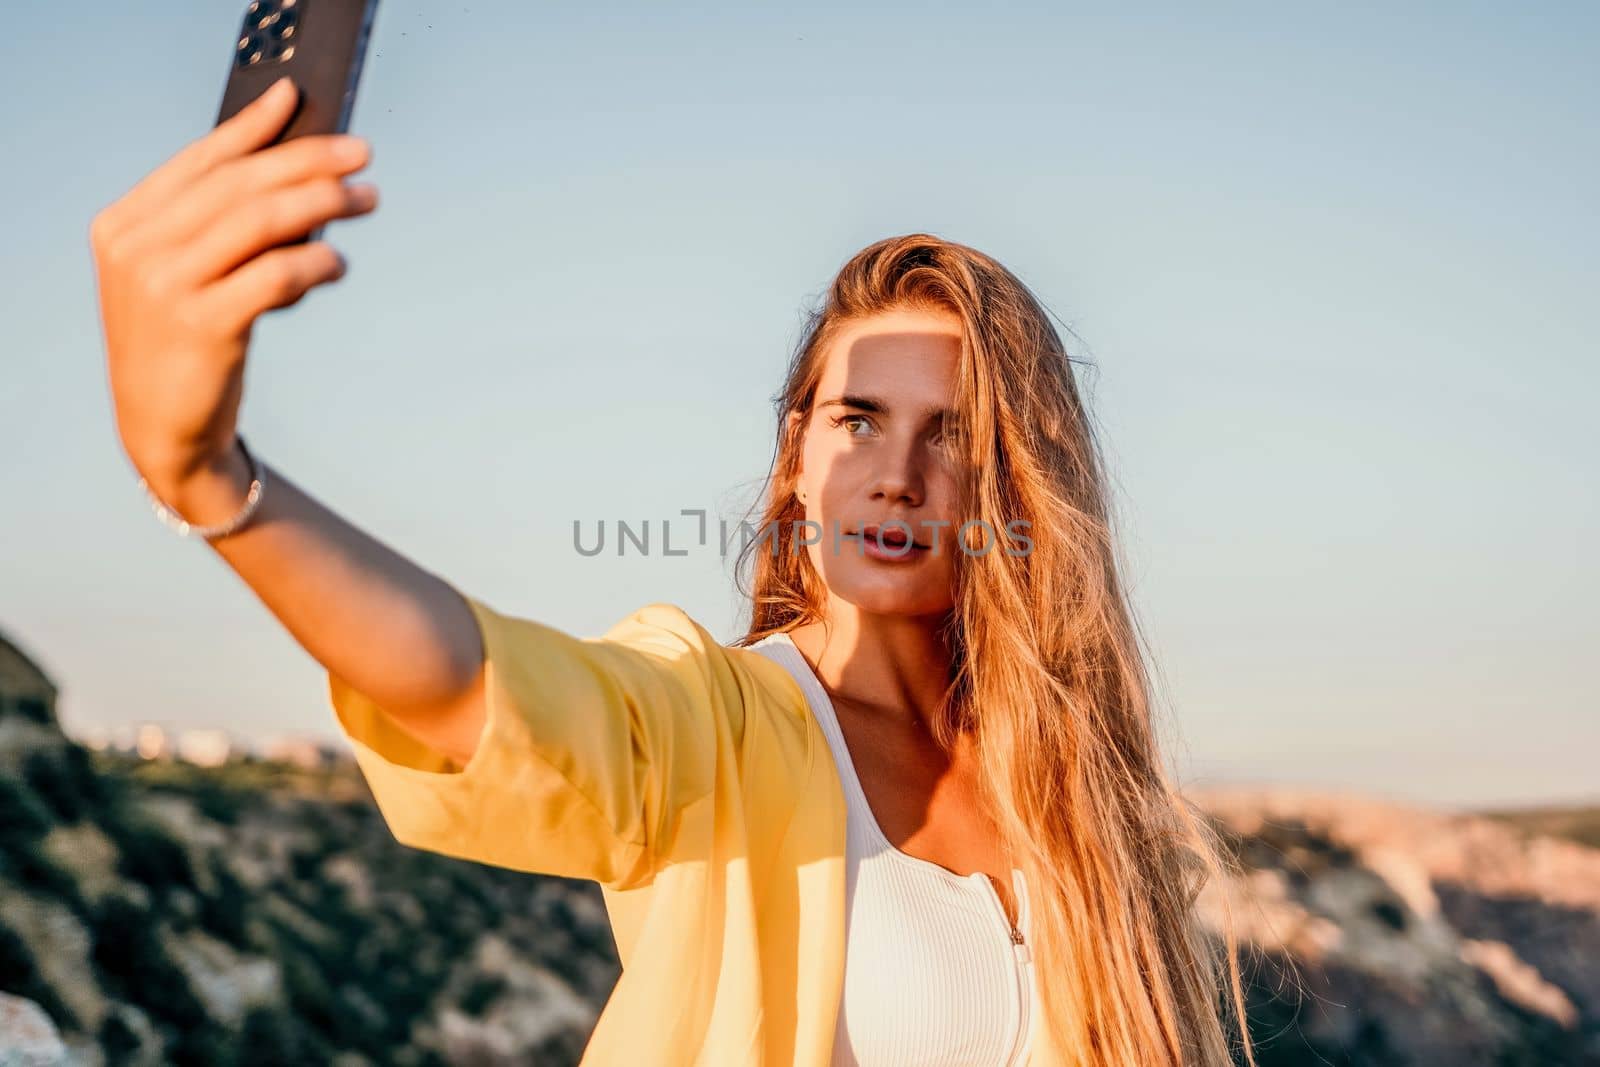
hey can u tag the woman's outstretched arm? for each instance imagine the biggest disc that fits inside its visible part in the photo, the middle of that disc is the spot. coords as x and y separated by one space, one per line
374 619
186 262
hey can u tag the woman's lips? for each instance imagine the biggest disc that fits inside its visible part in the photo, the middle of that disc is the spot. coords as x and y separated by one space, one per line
896 548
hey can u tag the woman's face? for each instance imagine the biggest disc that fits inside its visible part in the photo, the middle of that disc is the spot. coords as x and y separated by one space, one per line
877 449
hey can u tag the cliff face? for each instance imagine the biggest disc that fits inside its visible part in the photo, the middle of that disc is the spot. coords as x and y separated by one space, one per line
1392 935
152 913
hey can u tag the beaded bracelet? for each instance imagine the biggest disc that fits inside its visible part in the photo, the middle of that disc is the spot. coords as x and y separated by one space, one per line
184 528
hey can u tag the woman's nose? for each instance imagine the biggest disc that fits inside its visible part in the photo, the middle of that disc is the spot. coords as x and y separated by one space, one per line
899 477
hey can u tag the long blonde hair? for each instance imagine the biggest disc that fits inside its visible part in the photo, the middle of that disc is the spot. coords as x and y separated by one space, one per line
1049 671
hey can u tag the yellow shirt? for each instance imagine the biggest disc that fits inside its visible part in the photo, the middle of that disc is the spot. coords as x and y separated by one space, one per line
690 780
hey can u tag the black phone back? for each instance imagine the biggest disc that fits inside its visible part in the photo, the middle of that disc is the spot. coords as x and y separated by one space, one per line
319 43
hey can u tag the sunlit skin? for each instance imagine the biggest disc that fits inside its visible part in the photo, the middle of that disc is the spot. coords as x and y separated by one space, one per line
878 651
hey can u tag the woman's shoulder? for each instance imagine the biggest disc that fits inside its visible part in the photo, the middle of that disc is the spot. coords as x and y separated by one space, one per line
665 629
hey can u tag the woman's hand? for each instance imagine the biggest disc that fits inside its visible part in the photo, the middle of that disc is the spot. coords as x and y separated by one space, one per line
186 262
189 258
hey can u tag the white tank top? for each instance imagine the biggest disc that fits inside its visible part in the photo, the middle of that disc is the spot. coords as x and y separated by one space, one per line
934 974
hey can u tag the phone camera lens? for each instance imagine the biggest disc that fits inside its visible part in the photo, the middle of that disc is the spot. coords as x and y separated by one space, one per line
250 51
262 13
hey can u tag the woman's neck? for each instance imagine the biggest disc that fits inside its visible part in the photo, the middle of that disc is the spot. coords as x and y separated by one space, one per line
896 666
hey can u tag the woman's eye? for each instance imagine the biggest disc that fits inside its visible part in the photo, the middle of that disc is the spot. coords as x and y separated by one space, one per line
850 421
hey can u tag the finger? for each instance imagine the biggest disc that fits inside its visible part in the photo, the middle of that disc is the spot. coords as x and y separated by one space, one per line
239 184
255 125
271 280
278 216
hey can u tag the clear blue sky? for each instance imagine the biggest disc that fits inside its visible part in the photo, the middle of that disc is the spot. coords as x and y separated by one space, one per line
1330 267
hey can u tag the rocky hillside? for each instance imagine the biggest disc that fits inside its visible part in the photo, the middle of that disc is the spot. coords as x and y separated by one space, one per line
154 913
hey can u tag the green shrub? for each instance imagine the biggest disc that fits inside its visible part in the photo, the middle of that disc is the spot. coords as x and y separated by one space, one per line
481 992
271 1038
64 779
23 819
148 854
202 1045
217 801
28 865
135 965
226 912
118 1041
308 992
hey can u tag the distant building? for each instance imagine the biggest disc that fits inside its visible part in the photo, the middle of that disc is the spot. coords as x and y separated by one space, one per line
25 690
205 748
151 741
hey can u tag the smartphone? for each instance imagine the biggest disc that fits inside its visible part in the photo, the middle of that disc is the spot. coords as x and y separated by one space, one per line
321 44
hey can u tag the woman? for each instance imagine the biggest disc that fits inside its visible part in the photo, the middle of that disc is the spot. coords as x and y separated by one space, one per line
915 816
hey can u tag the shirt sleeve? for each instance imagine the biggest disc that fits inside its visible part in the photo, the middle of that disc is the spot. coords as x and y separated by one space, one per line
591 747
